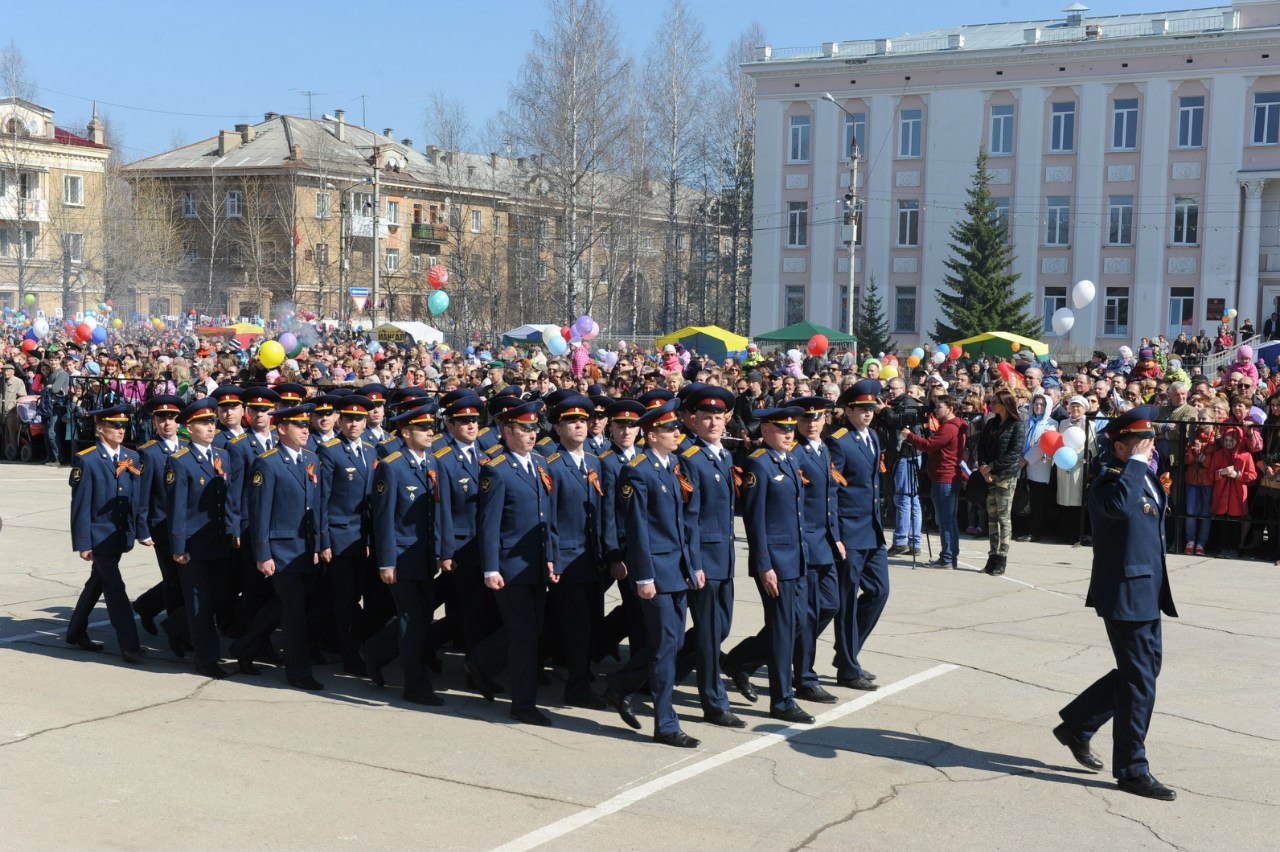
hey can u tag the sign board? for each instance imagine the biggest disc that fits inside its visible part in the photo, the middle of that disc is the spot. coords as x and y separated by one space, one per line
360 295
391 334
1214 309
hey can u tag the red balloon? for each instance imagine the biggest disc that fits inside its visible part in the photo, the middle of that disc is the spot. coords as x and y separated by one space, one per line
438 275
1050 442
83 332
818 344
29 345
566 332
955 352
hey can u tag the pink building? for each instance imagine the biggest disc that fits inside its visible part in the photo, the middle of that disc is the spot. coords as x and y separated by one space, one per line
1141 152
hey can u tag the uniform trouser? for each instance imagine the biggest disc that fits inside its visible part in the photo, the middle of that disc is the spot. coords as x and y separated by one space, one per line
288 609
347 576
626 620
776 643
573 606
415 602
864 590
476 610
167 594
105 582
664 626
821 598
256 590
906 503
521 607
1126 695
712 609
199 586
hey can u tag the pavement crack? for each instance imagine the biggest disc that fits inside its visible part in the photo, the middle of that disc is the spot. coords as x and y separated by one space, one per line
773 774
888 797
1097 795
1219 727
195 693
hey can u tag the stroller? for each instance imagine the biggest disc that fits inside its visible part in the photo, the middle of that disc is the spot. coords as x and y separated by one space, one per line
29 430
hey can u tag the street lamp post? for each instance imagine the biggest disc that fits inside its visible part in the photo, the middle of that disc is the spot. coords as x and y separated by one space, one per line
377 260
849 228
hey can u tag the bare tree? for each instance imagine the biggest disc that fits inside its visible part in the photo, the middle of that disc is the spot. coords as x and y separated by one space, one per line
257 235
142 244
16 186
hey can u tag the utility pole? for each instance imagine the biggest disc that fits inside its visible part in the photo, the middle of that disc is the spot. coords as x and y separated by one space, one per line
377 259
849 227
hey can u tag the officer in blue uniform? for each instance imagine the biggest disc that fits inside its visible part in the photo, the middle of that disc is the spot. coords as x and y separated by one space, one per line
347 463
200 531
411 516
154 455
661 567
773 514
106 515
254 589
708 465
864 574
290 393
324 419
230 414
576 599
288 530
375 431
517 530
1129 589
627 619
598 424
403 398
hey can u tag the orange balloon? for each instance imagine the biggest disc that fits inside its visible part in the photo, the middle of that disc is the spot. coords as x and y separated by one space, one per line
1016 346
913 361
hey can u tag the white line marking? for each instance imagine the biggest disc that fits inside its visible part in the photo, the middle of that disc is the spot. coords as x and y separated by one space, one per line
50 633
628 798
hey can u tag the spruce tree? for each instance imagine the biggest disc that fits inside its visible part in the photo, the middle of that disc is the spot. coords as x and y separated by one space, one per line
983 295
873 327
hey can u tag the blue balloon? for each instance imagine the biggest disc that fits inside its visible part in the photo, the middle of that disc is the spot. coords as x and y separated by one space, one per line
471 350
918 352
375 347
100 334
557 345
1065 458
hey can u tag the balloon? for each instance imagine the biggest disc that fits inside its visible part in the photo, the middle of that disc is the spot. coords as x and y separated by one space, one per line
594 332
117 323
90 321
818 344
566 333
29 346
438 275
918 352
557 345
271 354
1050 442
159 323
1063 320
1073 437
41 328
30 299
582 325
471 350
374 347
888 371
955 352
913 361
100 335
1015 346
939 357
288 340
889 359
1231 313
102 306
1065 458
1083 293
83 332
610 359
438 303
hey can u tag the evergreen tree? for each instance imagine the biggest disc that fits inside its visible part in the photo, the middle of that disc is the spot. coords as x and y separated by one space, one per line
983 293
873 327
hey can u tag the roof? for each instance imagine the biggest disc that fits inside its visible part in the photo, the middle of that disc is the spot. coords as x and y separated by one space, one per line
66 137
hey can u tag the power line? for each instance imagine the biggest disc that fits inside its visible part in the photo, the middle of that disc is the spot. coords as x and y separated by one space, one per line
144 109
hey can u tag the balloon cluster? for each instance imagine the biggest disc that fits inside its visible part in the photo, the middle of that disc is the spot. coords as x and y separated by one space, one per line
438 301
1064 319
558 338
1231 313
1064 447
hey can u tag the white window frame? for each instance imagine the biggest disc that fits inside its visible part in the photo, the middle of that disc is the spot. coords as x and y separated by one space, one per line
1191 121
908 232
1186 221
29 244
1057 220
416 264
1115 301
234 204
1181 300
477 221
1002 130
362 204
393 260
497 225
902 296
393 212
1120 220
855 127
74 244
910 133
189 208
797 224
1062 127
73 197
1003 206
324 207
1053 298
799 138
1266 118
1124 124
793 304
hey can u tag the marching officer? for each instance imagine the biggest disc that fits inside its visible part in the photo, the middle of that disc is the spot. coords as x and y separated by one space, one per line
374 431
287 532
627 619
106 515
517 530
855 455
255 589
660 564
154 455
773 514
575 598
597 425
410 509
403 398
324 419
347 463
200 533
1129 589
230 414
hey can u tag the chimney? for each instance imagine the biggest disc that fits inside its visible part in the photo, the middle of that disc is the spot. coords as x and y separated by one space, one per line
295 152
340 116
493 159
97 130
433 154
1075 14
228 141
520 162
270 116
388 132
407 142
246 134
471 172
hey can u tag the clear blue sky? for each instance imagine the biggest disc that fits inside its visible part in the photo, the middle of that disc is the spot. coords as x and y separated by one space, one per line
180 71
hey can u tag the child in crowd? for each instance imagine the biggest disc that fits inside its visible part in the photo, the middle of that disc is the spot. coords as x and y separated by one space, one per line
1233 470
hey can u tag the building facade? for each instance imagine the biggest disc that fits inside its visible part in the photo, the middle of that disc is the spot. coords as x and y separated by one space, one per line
52 192
1141 152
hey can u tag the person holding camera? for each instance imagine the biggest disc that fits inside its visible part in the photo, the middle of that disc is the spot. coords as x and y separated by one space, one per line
902 411
945 449
999 460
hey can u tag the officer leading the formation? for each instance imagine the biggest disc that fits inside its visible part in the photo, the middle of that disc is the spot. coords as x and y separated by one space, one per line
1129 589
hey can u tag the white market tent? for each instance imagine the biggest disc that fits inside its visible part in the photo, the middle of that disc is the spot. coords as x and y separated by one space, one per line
408 332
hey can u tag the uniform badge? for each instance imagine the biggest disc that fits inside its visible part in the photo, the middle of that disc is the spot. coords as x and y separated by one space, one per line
750 480
381 486
486 484
258 479
627 491
76 473
202 480
351 473
411 489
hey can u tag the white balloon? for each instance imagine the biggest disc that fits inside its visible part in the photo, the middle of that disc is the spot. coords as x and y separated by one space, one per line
41 328
1063 320
939 357
1073 437
90 321
1083 293
794 355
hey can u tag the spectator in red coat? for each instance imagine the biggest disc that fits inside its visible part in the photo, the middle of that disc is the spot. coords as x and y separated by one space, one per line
1233 470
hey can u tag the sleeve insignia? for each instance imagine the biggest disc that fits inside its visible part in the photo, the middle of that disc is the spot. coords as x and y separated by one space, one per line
627 491
486 483
380 486
758 453
750 480
258 478
76 474
443 451
171 477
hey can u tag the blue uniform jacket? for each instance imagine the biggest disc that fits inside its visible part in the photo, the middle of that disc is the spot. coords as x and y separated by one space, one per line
612 530
710 510
1130 581
658 543
223 439
577 499
487 438
859 500
286 510
106 511
392 444
517 524
347 486
154 456
461 478
244 452
821 529
410 515
773 513
196 500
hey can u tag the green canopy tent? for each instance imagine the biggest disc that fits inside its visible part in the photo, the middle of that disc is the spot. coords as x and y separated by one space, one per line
801 332
1001 343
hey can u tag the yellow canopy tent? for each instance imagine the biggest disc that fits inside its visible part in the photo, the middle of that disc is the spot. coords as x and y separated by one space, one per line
1001 343
706 340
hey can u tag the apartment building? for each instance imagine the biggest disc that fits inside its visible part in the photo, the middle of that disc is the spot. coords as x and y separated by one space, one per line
1139 151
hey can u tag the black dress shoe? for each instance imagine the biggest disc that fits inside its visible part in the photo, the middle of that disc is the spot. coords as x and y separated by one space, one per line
531 717
246 667
148 622
175 644
588 701
135 656
307 682
864 683
84 643
268 654
1147 785
815 693
479 680
430 699
622 704
679 739
795 714
868 675
212 670
742 683
939 563
356 667
1079 748
724 719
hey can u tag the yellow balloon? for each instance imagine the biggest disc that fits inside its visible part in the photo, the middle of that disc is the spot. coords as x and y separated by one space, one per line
117 323
158 323
271 354
888 371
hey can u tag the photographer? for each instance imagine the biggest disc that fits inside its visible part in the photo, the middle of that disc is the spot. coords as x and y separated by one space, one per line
902 411
945 449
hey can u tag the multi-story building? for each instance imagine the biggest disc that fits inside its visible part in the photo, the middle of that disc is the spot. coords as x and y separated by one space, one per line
1141 152
52 183
282 214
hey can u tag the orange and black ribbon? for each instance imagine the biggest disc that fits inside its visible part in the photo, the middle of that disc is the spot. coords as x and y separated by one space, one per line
883 469
837 476
126 464
804 480
217 467
737 480
435 484
594 479
311 472
1167 482
546 477
686 487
